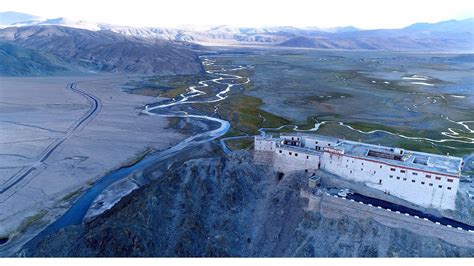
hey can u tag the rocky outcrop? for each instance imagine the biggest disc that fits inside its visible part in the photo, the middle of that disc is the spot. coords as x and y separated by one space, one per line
227 206
317 236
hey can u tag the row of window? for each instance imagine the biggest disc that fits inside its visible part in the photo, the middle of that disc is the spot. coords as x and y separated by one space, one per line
361 169
265 148
291 153
392 169
405 179
403 171
427 176
422 182
361 163
317 142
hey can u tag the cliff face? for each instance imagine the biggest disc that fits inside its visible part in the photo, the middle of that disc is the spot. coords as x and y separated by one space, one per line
231 207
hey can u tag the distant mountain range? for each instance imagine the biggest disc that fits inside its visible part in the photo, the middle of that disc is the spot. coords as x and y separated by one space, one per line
450 35
39 50
34 46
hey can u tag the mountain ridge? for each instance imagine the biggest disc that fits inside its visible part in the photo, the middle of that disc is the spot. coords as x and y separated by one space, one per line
105 51
451 35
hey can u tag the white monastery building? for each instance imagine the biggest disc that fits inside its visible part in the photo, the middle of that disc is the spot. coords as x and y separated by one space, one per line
428 180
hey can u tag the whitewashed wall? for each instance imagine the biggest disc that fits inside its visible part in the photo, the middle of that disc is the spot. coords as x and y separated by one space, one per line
262 144
312 143
289 160
408 184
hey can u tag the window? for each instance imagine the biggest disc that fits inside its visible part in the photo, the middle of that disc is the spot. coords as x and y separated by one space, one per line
398 177
316 142
290 153
362 163
404 179
431 184
402 171
414 173
351 171
380 167
449 188
413 181
347 166
440 186
391 176
422 182
392 169
438 178
307 157
362 169
375 172
296 154
280 151
450 180
427 176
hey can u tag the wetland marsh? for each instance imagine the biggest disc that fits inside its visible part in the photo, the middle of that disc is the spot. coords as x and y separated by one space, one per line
418 101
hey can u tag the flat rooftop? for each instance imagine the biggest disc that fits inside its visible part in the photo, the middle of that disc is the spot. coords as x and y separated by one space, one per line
391 155
300 149
407 158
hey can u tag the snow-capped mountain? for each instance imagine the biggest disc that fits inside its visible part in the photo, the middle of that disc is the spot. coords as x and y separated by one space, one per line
442 36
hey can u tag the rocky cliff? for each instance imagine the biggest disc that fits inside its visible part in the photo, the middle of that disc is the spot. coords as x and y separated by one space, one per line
227 206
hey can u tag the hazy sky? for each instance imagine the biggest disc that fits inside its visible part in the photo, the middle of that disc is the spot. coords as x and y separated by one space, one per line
366 14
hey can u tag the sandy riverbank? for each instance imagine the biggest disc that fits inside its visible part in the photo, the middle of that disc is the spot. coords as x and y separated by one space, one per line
35 112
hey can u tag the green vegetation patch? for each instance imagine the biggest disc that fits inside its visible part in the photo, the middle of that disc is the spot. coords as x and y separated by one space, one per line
317 99
31 220
138 157
406 131
173 93
453 148
245 115
239 144
166 86
71 195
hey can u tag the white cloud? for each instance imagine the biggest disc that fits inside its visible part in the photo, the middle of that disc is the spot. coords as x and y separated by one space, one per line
327 13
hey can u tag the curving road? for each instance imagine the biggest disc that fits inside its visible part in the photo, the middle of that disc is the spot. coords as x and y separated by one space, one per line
94 107
78 210
402 210
194 95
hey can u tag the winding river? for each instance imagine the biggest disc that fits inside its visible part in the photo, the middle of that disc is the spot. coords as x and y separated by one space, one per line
194 95
452 133
225 80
